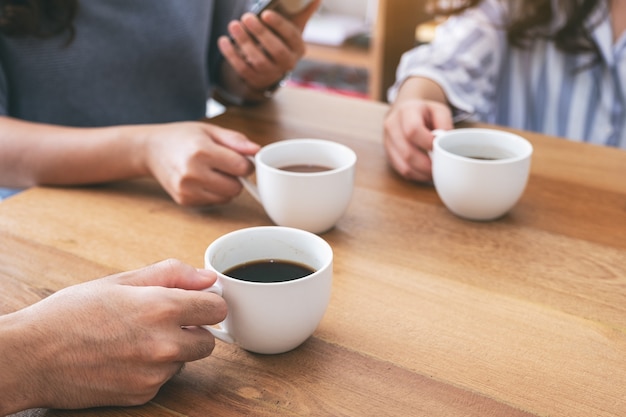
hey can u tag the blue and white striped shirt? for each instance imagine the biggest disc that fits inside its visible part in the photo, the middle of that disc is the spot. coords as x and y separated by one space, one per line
539 89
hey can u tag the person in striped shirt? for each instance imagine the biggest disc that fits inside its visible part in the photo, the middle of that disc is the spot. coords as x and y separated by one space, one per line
552 66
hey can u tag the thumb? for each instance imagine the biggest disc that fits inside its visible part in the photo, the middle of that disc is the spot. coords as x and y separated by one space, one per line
231 139
440 116
170 273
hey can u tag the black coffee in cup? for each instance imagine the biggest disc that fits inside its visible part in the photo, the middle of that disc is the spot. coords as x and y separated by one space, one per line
483 158
305 168
269 270
482 153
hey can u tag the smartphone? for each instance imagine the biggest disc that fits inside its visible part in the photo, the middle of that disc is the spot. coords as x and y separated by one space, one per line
282 6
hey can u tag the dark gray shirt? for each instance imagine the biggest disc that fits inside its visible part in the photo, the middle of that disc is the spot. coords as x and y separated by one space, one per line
131 61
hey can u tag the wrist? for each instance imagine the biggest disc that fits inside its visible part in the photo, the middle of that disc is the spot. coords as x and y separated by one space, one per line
136 140
250 95
421 88
18 384
268 92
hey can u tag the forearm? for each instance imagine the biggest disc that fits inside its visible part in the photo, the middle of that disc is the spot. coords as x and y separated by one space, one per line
34 153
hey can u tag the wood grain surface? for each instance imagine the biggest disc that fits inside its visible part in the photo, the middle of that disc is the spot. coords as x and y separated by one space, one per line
430 315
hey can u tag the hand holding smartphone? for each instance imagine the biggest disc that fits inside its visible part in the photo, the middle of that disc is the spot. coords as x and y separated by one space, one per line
285 7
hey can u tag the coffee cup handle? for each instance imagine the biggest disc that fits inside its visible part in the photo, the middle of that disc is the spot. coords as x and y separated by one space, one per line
219 332
249 185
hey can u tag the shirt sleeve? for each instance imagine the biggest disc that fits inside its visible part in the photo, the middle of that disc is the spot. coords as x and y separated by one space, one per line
464 59
4 93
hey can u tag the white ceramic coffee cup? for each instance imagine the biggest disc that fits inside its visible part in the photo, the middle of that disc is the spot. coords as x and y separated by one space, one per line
480 189
312 201
275 317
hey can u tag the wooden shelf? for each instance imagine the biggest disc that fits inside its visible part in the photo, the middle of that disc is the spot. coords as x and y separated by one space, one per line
393 34
349 55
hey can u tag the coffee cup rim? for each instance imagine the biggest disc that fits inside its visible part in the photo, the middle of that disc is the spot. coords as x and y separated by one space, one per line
525 143
317 271
286 142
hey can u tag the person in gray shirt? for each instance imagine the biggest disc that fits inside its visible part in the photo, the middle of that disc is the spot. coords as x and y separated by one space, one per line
93 91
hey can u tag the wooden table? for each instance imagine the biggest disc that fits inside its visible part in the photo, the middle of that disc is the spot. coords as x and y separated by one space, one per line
430 315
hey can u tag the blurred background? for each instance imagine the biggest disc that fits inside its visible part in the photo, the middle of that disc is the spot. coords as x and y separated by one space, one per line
354 46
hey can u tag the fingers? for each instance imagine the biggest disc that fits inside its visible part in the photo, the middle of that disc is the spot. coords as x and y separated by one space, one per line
412 126
170 298
207 186
411 163
261 50
256 45
198 308
408 136
118 339
253 61
234 56
198 163
440 117
187 345
179 313
236 141
192 307
288 33
169 273
407 143
196 343
211 175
